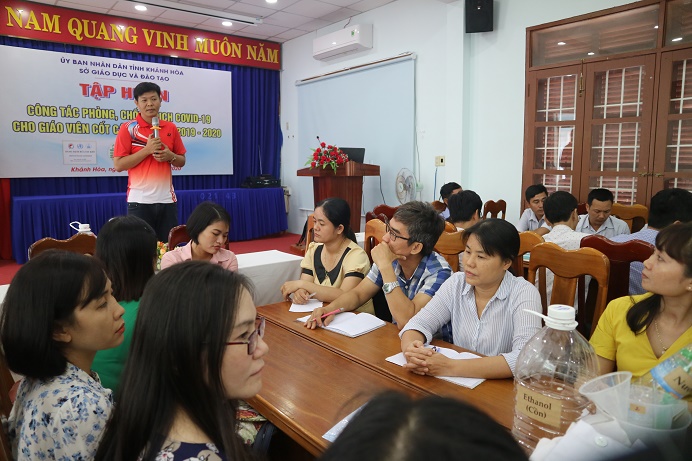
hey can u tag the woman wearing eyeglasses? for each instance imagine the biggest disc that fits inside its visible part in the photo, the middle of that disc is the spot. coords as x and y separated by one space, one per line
333 263
197 349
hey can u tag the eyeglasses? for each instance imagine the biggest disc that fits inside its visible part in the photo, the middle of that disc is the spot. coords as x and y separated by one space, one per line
252 340
392 234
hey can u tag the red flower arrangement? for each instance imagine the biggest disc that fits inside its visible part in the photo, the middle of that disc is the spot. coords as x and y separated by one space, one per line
327 155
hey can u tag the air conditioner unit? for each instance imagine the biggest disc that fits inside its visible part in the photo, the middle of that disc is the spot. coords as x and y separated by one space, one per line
349 40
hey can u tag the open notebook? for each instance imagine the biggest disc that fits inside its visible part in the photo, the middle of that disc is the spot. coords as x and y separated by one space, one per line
350 324
400 360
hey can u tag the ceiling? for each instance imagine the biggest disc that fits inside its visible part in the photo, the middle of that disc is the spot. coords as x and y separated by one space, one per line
281 21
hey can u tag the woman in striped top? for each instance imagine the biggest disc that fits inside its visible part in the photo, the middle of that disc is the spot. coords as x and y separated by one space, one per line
486 306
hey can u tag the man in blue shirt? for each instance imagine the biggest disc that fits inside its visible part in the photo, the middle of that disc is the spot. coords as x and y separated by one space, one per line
533 217
404 266
597 219
667 207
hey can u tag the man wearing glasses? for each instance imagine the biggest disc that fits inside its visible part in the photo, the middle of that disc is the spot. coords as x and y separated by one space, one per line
404 266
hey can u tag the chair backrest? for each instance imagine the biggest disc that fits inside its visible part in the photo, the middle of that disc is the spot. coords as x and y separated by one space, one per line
494 209
310 233
636 216
78 243
620 256
374 230
386 210
581 208
178 236
449 246
568 267
439 206
527 240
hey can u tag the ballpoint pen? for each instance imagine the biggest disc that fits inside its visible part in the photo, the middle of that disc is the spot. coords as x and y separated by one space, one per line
337 311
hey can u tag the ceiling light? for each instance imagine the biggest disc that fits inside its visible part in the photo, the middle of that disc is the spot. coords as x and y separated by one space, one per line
227 23
271 1
655 27
590 53
561 43
676 39
140 8
200 11
174 56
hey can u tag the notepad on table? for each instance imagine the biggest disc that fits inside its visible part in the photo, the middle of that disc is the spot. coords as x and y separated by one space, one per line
310 306
350 324
399 359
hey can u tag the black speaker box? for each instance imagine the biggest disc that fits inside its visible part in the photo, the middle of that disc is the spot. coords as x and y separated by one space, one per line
479 16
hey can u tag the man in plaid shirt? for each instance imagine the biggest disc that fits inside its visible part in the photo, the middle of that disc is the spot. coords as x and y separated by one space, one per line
405 268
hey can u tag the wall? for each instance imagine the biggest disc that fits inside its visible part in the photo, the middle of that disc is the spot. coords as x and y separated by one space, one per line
467 108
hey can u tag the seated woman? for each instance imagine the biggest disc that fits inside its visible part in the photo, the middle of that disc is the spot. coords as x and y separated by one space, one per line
393 426
208 227
197 349
127 247
333 263
485 305
58 312
636 333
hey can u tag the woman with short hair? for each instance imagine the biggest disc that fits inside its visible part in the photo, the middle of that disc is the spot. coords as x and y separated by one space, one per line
486 306
57 313
208 227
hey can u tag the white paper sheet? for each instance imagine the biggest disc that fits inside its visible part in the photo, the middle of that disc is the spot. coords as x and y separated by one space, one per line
471 383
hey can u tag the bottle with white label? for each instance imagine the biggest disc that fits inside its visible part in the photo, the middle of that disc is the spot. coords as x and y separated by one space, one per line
549 371
674 375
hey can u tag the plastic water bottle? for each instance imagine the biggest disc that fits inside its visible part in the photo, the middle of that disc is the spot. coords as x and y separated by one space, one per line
549 371
674 375
81 228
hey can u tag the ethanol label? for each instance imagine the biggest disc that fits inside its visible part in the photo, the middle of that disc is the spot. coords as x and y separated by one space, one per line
539 407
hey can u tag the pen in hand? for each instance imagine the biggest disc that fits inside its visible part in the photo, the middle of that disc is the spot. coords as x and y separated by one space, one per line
322 317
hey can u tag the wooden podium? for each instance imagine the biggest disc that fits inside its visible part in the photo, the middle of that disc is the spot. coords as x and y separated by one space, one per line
347 184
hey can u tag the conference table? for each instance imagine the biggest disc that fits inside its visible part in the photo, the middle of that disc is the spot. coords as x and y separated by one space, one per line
314 378
268 270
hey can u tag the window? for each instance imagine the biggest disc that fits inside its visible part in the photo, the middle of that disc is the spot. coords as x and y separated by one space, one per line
593 87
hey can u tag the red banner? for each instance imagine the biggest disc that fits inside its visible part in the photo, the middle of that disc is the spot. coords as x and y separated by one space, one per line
54 24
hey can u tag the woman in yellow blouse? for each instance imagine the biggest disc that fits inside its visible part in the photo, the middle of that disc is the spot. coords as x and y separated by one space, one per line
333 263
637 333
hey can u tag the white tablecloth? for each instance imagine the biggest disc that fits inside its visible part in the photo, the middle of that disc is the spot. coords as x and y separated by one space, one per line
268 270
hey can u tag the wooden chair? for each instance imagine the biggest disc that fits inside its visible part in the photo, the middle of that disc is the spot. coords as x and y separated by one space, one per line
569 267
449 227
78 243
527 240
386 210
581 208
310 233
636 216
374 230
494 209
449 246
439 206
620 256
6 383
178 236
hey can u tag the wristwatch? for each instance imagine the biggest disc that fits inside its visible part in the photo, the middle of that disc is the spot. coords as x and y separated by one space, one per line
388 287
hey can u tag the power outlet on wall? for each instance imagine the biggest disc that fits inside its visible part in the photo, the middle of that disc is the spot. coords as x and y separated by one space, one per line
440 160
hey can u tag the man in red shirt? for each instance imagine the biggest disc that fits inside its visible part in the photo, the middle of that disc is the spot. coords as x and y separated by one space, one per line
148 160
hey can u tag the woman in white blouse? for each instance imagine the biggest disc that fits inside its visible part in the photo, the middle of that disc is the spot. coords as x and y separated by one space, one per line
485 305
58 312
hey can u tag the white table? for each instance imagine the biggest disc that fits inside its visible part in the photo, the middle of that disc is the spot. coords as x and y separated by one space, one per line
268 270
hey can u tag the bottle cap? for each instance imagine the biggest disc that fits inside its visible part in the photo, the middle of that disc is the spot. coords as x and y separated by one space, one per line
84 227
560 317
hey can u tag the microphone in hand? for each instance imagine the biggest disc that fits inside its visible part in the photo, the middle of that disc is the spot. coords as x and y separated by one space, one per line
155 126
